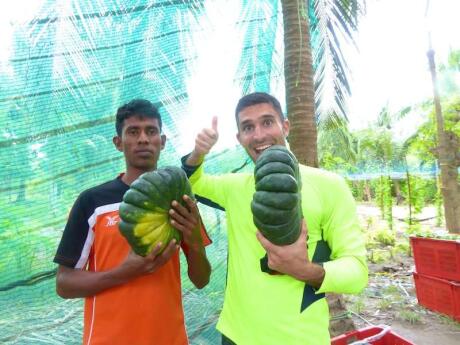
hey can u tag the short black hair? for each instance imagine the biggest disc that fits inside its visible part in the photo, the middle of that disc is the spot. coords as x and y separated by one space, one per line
258 98
136 107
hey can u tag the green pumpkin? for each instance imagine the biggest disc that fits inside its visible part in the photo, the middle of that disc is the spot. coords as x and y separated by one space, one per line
144 211
276 204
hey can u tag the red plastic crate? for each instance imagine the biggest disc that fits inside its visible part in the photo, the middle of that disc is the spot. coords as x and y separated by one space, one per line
376 335
436 257
438 294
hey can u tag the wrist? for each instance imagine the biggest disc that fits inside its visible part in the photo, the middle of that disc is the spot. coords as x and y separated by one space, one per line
313 274
195 158
195 247
119 275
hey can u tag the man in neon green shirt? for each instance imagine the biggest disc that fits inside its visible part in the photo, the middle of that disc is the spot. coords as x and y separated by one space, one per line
262 308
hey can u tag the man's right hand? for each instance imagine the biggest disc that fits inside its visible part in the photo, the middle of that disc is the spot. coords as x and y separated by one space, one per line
76 283
204 142
136 265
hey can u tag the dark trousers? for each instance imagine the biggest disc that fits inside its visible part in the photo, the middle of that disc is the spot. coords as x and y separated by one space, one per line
226 341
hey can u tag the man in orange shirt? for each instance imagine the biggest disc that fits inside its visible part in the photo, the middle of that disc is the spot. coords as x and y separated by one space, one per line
129 299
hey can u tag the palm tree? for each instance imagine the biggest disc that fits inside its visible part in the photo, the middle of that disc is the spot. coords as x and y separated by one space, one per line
447 152
304 92
314 66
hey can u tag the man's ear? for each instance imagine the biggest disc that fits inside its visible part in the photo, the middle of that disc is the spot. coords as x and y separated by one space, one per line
286 126
163 141
117 142
238 137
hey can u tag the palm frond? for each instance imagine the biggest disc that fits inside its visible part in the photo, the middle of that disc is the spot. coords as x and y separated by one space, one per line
332 23
334 137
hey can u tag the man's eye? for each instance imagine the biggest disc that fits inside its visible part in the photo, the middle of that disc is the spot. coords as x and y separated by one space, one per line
247 128
268 122
152 131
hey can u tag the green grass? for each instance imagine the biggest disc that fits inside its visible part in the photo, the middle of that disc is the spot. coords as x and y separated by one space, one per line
448 321
384 304
385 237
358 305
410 316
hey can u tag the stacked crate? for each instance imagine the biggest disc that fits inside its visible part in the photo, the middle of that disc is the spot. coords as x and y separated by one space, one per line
437 274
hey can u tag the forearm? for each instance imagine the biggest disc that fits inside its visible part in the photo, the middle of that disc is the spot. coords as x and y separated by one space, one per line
199 269
345 275
346 271
194 159
212 189
73 283
312 274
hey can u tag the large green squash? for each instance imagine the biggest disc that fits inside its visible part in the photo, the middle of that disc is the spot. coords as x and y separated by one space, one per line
144 210
276 204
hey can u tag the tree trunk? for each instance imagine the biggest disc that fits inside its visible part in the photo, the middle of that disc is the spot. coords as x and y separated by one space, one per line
389 202
438 202
341 321
300 88
447 154
367 190
300 103
381 200
409 195
399 197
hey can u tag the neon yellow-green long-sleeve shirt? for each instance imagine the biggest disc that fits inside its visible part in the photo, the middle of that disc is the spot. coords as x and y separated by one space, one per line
263 309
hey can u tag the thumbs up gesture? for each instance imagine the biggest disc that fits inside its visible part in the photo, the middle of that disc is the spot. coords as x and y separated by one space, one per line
207 138
204 142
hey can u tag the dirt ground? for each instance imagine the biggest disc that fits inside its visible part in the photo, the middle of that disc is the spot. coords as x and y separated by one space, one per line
390 296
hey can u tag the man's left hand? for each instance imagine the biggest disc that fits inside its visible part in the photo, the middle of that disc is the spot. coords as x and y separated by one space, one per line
290 259
187 220
293 259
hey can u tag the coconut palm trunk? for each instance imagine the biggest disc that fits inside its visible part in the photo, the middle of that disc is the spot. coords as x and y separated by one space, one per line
300 87
300 103
448 156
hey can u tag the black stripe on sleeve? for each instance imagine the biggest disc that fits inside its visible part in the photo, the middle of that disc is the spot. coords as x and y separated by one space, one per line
75 233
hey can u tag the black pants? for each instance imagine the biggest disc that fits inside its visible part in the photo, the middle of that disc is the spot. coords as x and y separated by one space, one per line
226 341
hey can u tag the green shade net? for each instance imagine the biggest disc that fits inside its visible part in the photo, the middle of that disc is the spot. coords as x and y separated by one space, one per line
63 73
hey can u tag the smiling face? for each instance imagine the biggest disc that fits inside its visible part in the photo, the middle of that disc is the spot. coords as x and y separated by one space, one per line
141 142
259 127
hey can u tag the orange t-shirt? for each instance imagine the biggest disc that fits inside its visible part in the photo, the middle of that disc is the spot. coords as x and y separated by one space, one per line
145 311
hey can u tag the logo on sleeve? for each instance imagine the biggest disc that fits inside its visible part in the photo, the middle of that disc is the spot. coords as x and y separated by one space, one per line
112 220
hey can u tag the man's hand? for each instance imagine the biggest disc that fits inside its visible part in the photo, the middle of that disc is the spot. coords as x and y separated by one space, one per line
293 259
76 283
187 220
136 265
204 142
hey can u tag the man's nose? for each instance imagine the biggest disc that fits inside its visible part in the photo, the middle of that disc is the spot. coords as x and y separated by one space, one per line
258 133
143 137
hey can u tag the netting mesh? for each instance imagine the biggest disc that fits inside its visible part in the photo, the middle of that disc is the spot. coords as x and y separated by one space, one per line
63 73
